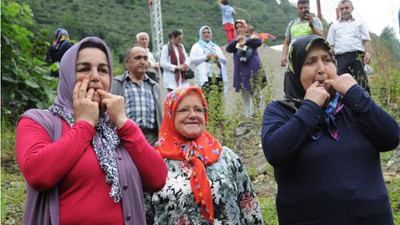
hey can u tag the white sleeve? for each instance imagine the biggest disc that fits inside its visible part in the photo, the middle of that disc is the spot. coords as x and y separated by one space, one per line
364 32
196 55
150 58
187 60
221 56
318 24
331 35
287 31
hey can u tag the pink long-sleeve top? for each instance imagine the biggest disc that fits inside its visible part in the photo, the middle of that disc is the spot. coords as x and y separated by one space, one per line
72 165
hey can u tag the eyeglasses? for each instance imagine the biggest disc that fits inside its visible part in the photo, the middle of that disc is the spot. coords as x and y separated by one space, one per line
184 111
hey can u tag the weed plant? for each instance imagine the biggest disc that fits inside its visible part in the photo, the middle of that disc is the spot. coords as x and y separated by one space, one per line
215 102
385 89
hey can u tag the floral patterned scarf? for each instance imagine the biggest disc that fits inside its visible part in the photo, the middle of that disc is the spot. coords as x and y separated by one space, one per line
199 152
331 110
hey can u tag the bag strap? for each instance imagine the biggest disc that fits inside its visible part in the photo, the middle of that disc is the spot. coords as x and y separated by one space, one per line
62 44
46 203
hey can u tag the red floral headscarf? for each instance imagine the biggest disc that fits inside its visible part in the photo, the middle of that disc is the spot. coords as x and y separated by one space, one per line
199 152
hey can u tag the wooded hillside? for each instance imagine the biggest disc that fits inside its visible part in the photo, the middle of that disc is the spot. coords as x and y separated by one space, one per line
117 21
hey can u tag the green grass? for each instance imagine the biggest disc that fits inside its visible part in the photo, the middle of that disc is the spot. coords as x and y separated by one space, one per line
13 194
268 210
393 186
13 197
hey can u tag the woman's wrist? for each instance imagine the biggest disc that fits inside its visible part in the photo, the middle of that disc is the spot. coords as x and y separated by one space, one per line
121 122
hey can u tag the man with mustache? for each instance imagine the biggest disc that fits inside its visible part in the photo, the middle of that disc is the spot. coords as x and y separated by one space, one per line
351 43
142 94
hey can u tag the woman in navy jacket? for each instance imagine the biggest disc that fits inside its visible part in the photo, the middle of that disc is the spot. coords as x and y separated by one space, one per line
324 140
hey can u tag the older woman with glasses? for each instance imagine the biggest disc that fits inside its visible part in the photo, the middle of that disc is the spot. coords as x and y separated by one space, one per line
207 183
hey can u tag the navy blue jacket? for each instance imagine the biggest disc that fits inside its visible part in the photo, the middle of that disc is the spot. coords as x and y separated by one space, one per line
330 181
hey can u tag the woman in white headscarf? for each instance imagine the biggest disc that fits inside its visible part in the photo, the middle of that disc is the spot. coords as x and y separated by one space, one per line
209 61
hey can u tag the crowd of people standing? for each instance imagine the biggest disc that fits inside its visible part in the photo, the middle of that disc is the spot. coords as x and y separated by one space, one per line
104 153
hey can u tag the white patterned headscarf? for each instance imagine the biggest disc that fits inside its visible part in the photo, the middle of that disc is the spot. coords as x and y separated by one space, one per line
209 47
105 140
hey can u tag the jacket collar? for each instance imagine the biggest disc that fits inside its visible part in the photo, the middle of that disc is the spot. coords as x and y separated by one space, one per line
126 75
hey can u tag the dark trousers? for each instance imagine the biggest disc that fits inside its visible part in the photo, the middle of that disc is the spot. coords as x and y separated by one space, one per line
207 86
245 54
151 135
353 63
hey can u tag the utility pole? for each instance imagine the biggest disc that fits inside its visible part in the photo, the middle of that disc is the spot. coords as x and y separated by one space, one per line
319 10
157 38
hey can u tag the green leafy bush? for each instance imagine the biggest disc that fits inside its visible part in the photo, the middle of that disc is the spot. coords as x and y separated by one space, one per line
393 186
268 210
26 82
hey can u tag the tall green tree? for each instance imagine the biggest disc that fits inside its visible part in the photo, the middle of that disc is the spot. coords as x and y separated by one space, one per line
26 82
388 37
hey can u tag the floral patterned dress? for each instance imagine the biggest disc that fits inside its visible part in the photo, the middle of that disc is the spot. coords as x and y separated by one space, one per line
234 199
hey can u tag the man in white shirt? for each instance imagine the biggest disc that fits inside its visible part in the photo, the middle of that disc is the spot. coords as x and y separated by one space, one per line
153 71
351 43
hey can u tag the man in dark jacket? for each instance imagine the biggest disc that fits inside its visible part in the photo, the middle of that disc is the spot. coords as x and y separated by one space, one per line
142 94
